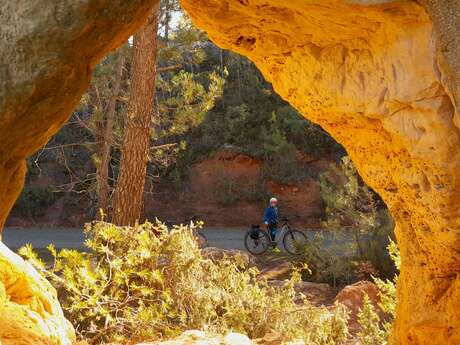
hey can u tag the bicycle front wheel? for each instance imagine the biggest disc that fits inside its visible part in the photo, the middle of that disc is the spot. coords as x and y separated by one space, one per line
294 242
257 242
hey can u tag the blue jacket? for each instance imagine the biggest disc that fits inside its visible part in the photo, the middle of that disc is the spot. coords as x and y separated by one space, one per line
271 215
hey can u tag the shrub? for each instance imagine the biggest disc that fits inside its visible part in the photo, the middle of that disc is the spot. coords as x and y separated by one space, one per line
375 330
328 260
387 288
352 207
371 332
230 189
146 282
34 200
349 202
227 189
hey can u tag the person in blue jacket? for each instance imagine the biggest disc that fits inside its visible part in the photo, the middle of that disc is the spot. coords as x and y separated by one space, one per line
271 218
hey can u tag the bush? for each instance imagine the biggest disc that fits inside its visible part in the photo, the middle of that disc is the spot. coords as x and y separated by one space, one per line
230 189
227 189
371 332
146 282
375 330
329 260
34 201
352 207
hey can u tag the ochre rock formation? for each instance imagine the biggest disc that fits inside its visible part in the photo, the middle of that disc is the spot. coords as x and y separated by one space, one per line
29 309
382 77
47 52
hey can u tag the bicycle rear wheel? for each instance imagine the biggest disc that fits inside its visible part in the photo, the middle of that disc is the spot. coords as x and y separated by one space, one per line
294 241
257 241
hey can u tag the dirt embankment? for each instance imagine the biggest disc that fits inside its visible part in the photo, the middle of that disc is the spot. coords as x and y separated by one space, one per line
226 189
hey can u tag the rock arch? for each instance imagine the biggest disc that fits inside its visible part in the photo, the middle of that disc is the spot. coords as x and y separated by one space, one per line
382 76
376 77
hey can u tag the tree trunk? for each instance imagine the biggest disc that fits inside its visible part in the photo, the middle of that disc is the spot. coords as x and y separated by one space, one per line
129 193
103 171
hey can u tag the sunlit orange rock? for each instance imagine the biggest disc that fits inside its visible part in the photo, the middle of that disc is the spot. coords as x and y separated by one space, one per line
29 309
383 78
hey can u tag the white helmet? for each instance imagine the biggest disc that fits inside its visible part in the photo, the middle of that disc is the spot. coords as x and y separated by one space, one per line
272 200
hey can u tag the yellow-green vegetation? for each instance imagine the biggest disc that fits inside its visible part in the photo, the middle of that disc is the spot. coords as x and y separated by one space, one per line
147 282
371 333
375 329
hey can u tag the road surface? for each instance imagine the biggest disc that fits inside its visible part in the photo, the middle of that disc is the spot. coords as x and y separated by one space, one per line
230 238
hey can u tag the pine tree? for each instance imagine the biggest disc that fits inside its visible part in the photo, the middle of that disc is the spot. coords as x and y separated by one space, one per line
129 193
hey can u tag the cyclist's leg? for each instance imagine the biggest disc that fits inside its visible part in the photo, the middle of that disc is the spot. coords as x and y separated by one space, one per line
270 231
273 230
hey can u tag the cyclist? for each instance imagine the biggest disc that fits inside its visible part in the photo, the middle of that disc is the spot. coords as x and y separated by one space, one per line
271 218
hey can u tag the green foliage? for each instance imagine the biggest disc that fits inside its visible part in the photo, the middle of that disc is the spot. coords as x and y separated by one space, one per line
375 330
352 206
370 332
349 202
186 101
34 201
387 287
353 245
331 260
146 282
229 190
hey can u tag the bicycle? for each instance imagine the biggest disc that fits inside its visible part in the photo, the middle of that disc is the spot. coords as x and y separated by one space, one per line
257 241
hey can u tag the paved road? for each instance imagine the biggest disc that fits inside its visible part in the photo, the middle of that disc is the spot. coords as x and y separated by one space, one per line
230 238
227 238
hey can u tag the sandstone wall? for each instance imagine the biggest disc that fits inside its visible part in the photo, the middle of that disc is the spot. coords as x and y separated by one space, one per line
384 83
381 76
